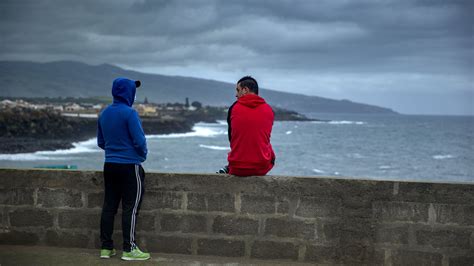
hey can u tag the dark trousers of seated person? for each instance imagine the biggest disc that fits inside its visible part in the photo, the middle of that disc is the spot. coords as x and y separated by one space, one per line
123 183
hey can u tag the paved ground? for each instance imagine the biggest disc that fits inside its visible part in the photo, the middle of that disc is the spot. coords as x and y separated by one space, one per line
26 255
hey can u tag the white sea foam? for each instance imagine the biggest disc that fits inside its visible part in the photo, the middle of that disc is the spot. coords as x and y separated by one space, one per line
342 122
212 147
26 157
317 171
222 122
199 130
385 167
443 156
88 146
288 132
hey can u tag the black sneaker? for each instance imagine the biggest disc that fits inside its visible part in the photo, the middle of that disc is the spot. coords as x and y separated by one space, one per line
223 170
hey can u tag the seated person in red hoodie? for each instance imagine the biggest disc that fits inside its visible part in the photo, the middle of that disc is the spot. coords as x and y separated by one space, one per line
250 121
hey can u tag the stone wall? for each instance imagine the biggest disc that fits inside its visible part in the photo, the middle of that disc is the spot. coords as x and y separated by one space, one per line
318 220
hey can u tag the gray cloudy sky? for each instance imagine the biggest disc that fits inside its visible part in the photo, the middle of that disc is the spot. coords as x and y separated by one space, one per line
412 56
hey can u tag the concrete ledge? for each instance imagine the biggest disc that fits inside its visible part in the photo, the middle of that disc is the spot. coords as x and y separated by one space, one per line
314 220
26 255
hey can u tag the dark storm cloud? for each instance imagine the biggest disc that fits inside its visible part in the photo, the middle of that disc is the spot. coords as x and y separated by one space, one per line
379 52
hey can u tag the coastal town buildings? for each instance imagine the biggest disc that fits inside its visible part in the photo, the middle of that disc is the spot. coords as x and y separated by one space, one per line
81 109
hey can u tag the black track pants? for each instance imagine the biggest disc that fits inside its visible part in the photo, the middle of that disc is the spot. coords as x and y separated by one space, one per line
122 182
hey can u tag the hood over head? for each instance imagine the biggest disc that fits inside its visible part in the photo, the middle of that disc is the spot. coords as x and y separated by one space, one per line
251 100
124 90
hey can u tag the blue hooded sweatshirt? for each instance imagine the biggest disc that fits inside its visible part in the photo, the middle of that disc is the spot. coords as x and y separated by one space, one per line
119 131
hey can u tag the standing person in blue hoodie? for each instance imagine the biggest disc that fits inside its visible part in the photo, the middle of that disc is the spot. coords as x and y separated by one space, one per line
121 135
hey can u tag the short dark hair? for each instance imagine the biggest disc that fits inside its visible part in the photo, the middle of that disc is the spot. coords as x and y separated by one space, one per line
250 83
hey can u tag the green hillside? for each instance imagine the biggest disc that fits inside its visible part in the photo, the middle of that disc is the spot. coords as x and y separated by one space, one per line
73 79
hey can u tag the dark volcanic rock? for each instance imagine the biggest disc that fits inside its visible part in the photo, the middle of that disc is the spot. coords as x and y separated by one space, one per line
28 130
161 126
21 145
44 124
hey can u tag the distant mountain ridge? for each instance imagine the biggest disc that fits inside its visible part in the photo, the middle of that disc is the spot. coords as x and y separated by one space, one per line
74 79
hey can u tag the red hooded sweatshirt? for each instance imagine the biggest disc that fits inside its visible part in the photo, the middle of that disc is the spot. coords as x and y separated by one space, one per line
250 121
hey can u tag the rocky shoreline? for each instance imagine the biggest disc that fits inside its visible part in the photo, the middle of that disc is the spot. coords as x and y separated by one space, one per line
27 145
24 130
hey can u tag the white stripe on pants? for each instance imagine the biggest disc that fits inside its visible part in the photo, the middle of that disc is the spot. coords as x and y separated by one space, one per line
135 208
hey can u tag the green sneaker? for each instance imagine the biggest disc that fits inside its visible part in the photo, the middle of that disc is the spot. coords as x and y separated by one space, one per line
135 254
107 253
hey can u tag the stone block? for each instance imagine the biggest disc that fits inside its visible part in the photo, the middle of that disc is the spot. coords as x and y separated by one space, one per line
454 214
232 225
184 223
462 260
289 228
397 235
79 219
408 257
328 232
59 198
358 231
221 247
169 244
357 199
211 202
274 250
453 193
413 191
321 254
354 253
197 202
283 206
67 239
145 222
444 238
220 202
14 237
95 200
400 211
379 257
317 207
31 217
436 193
162 200
22 196
97 243
256 204
347 231
361 212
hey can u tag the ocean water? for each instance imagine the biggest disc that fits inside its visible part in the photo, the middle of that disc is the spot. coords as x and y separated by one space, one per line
390 147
